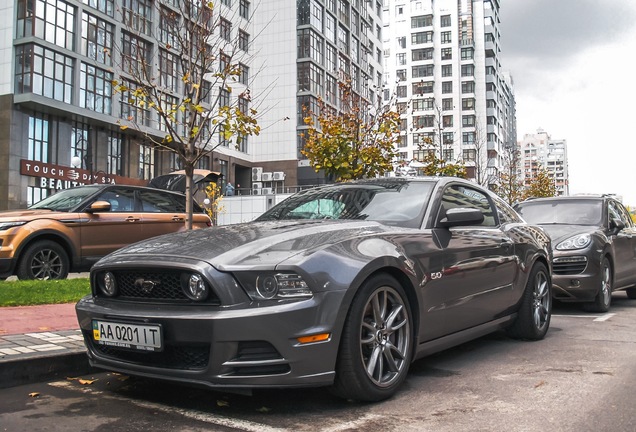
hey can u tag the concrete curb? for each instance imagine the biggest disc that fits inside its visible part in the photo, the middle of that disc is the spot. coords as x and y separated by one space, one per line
21 371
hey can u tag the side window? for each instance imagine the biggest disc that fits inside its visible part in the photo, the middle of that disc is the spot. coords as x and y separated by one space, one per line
505 212
157 202
617 211
121 200
459 196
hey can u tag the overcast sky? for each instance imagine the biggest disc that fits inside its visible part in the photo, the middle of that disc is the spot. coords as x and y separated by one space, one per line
573 63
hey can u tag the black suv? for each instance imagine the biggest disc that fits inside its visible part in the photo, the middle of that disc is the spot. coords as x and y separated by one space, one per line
594 244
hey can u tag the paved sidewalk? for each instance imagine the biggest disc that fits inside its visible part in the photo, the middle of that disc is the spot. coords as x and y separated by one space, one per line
38 343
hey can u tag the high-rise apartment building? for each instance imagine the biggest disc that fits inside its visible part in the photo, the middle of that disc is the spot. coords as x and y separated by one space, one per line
60 116
539 151
442 60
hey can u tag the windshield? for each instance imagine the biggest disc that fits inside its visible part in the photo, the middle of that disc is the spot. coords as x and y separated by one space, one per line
65 200
570 212
392 203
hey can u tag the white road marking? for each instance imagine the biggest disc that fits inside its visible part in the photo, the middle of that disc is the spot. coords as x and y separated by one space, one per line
241 425
596 317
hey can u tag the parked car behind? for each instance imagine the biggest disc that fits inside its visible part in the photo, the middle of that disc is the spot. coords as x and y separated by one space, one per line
594 241
72 229
343 285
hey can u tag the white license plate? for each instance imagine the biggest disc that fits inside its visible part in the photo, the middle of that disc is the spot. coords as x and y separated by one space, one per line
130 336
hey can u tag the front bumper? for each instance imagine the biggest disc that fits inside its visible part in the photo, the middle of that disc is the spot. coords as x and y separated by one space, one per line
224 347
576 277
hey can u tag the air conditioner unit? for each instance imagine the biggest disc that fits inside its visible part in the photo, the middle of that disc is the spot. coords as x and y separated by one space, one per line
267 191
256 191
279 176
257 173
266 176
257 185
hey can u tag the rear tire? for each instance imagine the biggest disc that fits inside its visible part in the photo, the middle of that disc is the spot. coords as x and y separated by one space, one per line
43 260
603 299
376 347
535 312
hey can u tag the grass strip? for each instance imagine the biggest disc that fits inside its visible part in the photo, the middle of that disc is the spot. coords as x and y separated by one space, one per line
36 292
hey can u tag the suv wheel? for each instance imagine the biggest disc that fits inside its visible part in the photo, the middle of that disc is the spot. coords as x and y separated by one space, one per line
43 260
604 297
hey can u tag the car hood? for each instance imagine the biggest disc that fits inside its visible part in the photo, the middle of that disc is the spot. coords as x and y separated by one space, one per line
29 215
560 232
251 245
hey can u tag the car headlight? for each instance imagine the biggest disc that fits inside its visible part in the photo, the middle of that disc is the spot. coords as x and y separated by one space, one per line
274 286
6 225
107 284
579 241
195 287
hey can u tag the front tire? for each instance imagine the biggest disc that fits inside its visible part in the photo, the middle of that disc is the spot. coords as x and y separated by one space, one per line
603 299
376 347
43 260
535 312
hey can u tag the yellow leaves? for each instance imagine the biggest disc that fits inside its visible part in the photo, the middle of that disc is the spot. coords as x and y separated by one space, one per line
123 127
34 394
222 403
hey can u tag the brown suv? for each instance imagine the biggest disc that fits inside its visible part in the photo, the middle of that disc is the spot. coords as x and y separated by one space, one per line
71 230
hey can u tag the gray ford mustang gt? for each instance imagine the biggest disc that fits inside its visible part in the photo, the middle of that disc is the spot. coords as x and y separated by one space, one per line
342 285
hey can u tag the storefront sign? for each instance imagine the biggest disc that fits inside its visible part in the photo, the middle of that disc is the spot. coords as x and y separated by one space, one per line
62 177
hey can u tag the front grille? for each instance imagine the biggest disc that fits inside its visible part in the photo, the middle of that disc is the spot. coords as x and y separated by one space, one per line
569 265
173 356
167 286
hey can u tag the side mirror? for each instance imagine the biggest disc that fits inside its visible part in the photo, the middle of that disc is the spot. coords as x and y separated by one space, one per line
99 207
616 225
462 217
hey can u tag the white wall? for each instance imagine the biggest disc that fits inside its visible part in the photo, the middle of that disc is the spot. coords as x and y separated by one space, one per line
7 29
238 209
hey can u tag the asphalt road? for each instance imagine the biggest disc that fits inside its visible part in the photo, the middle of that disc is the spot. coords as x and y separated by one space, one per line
580 378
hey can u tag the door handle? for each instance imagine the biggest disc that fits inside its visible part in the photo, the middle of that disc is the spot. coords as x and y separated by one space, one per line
177 219
132 219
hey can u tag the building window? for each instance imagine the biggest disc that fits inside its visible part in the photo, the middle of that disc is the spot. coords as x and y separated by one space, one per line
423 139
343 39
445 21
331 59
244 75
330 28
401 59
224 97
447 53
169 106
401 41
244 9
168 70
225 27
447 70
105 6
401 91
446 37
448 138
129 109
310 45
50 20
79 143
146 162
96 89
448 154
224 62
423 104
447 121
421 21
137 15
422 87
309 78
169 23
468 138
35 195
447 104
113 164
468 104
227 3
401 75
468 87
244 40
44 72
97 38
422 54
447 87
468 70
467 53
422 71
315 16
468 120
421 37
38 147
135 55
423 121
469 155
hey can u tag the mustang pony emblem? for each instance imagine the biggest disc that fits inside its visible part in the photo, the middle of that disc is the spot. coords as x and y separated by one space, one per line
146 286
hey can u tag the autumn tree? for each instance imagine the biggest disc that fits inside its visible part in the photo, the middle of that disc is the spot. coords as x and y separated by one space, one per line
353 141
190 94
542 185
509 186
